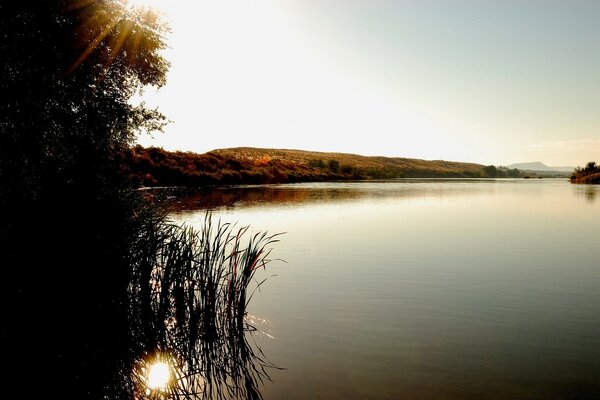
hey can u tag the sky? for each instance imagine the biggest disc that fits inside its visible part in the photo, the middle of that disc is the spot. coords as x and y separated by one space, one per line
492 82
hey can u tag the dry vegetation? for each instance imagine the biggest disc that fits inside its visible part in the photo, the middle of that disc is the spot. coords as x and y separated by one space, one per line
590 174
246 165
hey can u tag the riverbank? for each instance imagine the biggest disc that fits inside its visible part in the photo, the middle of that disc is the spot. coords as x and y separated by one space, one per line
590 174
593 179
158 167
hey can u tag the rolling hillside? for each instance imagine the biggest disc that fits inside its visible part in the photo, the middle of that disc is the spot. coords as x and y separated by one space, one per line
372 167
246 165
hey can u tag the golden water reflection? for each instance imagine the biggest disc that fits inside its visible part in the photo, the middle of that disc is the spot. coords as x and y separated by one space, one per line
425 289
159 376
587 192
230 197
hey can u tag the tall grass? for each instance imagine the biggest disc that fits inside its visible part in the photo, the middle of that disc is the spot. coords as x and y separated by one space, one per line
188 298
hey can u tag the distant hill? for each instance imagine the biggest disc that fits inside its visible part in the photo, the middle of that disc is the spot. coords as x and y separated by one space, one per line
372 166
540 166
247 165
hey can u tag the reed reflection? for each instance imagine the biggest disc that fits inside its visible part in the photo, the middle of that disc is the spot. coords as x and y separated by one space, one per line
188 301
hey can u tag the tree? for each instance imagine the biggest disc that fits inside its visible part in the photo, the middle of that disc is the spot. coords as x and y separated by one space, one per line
490 171
591 167
334 165
514 173
69 70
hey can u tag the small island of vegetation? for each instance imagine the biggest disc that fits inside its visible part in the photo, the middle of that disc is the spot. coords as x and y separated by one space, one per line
590 174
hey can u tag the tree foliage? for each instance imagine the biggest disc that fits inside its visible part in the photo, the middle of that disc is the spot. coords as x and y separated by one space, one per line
588 174
69 71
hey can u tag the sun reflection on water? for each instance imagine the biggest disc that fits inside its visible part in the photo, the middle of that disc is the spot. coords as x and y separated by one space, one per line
158 376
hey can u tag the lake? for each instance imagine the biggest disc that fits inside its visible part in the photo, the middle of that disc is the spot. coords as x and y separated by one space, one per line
424 289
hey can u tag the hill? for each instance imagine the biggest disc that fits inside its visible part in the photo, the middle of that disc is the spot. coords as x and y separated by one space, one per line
538 166
371 167
247 165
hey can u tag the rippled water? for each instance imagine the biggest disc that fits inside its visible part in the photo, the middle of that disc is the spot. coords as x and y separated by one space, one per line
424 289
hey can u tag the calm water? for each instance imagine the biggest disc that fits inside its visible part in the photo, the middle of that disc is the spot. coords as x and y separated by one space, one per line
425 289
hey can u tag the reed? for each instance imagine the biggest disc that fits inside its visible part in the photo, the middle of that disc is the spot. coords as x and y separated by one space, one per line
188 297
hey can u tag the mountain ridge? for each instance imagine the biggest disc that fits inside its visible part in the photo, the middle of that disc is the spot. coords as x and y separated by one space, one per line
539 166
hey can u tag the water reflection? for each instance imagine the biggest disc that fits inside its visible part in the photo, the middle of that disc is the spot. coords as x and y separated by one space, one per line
190 199
190 332
588 192
159 375
428 289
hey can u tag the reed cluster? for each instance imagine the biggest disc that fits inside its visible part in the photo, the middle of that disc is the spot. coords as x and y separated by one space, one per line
188 297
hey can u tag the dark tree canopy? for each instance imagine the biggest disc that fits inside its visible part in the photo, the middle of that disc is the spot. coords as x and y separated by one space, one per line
69 70
490 171
589 174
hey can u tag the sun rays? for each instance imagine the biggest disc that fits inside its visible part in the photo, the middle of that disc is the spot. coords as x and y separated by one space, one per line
146 3
111 31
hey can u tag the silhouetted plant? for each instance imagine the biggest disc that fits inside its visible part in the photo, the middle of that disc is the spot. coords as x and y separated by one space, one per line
490 171
80 247
589 174
188 299
69 70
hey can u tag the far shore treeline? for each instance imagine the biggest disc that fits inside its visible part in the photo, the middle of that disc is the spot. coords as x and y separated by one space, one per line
158 167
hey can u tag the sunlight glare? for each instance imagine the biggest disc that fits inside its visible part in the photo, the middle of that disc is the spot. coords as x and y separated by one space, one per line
158 376
155 4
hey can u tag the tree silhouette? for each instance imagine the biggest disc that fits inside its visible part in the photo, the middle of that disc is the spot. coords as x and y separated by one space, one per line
69 70
589 174
490 171
591 167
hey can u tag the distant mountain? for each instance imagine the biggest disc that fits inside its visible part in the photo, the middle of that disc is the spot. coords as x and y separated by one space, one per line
540 166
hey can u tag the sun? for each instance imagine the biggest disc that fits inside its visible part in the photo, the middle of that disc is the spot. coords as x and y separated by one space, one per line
158 376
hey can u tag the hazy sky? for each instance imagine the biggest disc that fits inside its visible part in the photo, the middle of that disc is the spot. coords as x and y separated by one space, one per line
493 82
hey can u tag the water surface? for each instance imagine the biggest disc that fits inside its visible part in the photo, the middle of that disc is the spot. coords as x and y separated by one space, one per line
424 289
